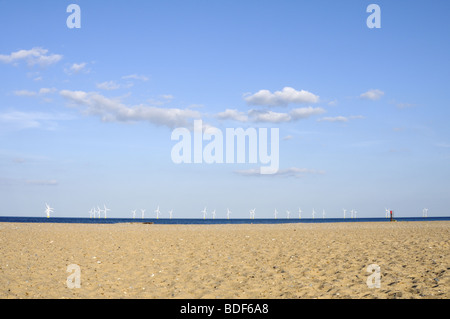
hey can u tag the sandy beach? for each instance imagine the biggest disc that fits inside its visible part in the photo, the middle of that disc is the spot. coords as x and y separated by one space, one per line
225 261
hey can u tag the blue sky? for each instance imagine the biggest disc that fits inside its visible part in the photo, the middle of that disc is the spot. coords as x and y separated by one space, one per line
86 115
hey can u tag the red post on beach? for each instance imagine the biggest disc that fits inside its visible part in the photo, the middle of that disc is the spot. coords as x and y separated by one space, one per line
391 215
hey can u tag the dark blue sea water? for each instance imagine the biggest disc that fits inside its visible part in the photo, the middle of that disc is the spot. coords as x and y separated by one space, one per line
198 221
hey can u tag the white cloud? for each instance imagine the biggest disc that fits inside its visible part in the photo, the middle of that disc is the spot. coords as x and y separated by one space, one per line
167 96
333 103
284 97
135 77
305 112
32 57
42 91
372 95
78 67
113 110
108 85
333 119
357 117
288 172
24 93
235 115
47 90
162 100
268 116
340 118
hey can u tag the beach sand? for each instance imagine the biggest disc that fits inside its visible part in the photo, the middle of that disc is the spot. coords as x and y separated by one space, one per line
225 261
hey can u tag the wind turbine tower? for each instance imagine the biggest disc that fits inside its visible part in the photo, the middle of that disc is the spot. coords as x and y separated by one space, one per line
48 210
105 209
99 211
204 213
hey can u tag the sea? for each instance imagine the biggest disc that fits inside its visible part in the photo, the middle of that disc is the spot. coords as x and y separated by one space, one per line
199 221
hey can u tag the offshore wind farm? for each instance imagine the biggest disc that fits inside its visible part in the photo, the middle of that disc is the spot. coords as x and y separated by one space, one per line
95 217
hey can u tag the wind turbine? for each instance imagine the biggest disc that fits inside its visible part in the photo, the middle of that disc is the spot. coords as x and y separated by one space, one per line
157 211
425 212
48 210
313 214
344 210
105 209
134 213
142 213
170 213
92 212
275 213
99 212
387 212
299 213
355 212
204 213
351 213
323 214
213 214
288 214
228 213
